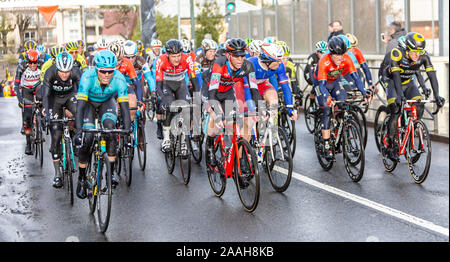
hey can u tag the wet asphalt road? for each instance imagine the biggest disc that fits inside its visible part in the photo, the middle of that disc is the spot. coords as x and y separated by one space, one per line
318 206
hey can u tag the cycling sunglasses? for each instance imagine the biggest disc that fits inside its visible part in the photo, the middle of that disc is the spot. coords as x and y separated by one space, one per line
106 72
32 63
419 52
237 55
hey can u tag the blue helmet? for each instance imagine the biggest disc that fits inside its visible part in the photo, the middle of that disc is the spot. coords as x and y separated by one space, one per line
346 40
105 59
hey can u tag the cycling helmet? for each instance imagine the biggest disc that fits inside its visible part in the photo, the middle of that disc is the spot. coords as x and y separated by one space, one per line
186 45
285 47
271 53
72 46
64 62
150 58
90 48
40 49
321 46
140 45
54 51
29 45
117 49
255 46
173 46
32 55
156 43
130 48
236 46
209 44
415 41
105 59
337 45
269 39
347 42
402 42
353 40
81 43
102 43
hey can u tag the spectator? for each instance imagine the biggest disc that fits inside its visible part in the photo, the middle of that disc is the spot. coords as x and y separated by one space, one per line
394 31
336 29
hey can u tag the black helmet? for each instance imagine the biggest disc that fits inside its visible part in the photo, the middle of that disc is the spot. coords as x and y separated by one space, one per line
415 41
173 46
337 46
90 48
236 46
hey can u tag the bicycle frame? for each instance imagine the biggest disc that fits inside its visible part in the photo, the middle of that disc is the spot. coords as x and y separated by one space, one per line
231 152
262 143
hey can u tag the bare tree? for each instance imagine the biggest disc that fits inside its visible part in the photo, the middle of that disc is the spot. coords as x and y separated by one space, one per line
125 15
23 22
5 28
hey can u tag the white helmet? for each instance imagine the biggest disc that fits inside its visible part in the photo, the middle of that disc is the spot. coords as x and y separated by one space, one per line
186 45
117 49
102 43
255 46
209 44
130 48
271 52
156 43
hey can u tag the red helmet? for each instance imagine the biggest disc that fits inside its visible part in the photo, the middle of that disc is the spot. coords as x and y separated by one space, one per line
32 55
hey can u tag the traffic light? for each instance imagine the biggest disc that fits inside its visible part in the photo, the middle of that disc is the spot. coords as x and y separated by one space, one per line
230 6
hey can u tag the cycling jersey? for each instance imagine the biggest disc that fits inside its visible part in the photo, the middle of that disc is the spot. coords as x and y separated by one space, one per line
291 74
327 71
80 62
46 66
90 88
262 75
174 75
311 63
362 63
223 79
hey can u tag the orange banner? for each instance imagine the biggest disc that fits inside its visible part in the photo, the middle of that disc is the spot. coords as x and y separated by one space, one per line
48 12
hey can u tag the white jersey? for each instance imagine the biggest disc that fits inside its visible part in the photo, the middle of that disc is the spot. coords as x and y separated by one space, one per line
30 78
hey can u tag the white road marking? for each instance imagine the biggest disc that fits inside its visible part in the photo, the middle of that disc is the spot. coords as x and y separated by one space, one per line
366 202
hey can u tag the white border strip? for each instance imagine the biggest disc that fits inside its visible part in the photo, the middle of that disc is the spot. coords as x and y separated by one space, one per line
366 202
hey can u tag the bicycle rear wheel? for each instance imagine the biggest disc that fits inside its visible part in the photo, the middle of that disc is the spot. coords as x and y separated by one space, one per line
389 164
104 193
142 145
185 162
170 157
69 169
216 174
127 163
419 157
196 149
289 126
361 118
309 109
353 149
247 183
278 159
319 146
380 115
91 180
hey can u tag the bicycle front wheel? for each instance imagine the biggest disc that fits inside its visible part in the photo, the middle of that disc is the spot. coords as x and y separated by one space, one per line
216 174
309 109
418 152
69 168
279 162
184 161
380 115
353 149
104 195
389 164
91 180
142 145
246 176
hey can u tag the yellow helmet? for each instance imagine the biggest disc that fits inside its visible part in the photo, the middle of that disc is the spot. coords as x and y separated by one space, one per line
72 46
353 40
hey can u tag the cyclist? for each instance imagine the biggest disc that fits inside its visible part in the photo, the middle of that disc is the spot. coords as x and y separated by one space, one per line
227 70
28 45
131 52
26 81
79 61
171 69
125 67
81 46
140 47
42 53
268 64
312 60
97 89
207 56
59 88
102 44
327 83
402 66
90 55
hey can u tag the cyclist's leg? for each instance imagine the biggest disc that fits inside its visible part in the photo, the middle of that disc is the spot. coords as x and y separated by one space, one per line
71 107
412 92
159 118
394 114
132 101
55 111
26 116
183 94
166 100
108 119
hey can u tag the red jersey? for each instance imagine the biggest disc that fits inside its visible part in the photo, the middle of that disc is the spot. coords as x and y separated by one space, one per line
126 67
327 70
359 56
166 71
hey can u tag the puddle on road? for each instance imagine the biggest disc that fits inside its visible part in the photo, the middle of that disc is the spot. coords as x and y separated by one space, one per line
17 221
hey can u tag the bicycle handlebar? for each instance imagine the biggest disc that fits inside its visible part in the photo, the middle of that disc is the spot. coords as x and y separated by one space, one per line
106 131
